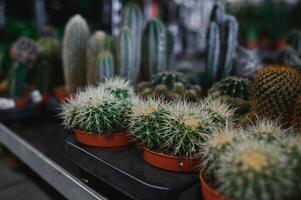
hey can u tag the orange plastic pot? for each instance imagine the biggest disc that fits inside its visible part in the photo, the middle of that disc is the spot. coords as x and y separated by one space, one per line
61 94
171 163
208 192
21 102
116 140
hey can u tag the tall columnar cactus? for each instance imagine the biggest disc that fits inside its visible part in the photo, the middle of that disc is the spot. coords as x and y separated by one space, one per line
154 48
24 53
274 92
221 44
74 52
126 56
104 66
294 41
255 170
296 119
94 46
132 18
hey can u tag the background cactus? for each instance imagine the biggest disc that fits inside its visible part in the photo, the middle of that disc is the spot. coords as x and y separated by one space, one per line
170 85
132 18
296 118
222 42
258 169
90 107
155 48
290 57
104 67
294 41
74 52
274 92
119 88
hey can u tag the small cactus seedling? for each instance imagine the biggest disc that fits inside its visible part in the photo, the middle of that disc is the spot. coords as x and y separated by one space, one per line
296 118
155 48
104 67
74 52
255 170
274 92
95 110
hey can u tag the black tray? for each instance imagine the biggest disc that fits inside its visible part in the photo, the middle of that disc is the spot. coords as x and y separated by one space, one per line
126 171
24 112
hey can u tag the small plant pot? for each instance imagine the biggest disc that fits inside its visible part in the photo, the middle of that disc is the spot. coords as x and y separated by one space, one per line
208 192
116 140
170 163
61 94
21 102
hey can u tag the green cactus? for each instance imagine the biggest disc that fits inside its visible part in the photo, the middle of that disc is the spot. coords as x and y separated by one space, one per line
105 66
171 86
49 48
119 88
96 110
294 41
125 55
74 53
222 42
155 48
254 170
296 118
290 57
16 80
170 50
274 92
132 18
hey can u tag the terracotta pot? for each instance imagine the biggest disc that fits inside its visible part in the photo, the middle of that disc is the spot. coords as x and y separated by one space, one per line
171 163
21 102
61 94
280 43
208 192
115 140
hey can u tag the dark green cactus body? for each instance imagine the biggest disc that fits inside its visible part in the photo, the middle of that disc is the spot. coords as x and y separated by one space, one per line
132 18
105 66
217 14
294 41
49 48
16 81
274 92
296 118
154 48
170 50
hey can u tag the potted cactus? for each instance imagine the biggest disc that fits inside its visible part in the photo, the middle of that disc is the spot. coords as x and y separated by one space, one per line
100 115
171 132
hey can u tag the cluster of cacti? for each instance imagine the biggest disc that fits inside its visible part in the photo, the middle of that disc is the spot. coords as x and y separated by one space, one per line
291 54
24 53
154 52
97 110
233 90
274 92
221 44
74 53
176 128
296 118
170 85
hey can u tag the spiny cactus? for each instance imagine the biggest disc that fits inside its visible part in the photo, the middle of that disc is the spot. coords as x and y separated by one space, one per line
155 48
294 41
126 56
119 88
170 85
104 66
296 118
290 57
95 110
274 92
74 52
132 18
222 41
254 170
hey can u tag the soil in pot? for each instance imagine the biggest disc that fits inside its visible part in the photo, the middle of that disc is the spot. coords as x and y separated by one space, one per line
170 163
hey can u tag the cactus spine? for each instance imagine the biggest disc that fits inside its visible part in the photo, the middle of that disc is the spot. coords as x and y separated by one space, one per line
126 57
105 66
155 48
74 52
222 42
132 18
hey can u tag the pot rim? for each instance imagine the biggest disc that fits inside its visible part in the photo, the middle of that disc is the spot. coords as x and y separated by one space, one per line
169 156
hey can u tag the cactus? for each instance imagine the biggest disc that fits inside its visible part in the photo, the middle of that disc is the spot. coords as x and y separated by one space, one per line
97 111
125 55
294 41
296 118
74 52
171 86
274 92
222 42
119 88
132 18
155 49
290 57
171 50
24 53
105 66
254 170
49 50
